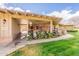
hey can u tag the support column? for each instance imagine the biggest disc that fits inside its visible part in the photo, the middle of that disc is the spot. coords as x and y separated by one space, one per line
27 27
51 26
24 26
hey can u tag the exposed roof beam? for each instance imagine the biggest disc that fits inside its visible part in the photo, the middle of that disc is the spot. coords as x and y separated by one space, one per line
25 15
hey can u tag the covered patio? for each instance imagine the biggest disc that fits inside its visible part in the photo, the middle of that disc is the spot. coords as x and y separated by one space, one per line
17 24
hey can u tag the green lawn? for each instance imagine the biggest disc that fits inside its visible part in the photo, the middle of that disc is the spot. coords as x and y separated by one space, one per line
57 48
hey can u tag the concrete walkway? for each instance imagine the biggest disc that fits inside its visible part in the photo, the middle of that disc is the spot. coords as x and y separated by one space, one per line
21 43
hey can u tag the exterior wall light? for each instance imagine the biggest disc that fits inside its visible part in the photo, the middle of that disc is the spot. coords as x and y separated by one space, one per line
4 21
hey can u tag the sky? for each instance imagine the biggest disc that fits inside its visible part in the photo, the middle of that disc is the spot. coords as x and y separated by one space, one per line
44 8
63 10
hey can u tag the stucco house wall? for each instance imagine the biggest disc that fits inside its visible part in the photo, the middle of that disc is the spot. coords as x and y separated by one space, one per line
5 30
67 27
15 29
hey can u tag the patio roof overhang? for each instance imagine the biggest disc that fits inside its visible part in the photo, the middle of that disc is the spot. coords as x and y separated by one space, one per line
25 15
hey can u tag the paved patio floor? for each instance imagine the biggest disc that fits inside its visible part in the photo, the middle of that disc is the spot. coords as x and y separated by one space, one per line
4 50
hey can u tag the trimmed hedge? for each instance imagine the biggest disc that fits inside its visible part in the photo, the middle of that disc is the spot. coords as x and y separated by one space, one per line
72 30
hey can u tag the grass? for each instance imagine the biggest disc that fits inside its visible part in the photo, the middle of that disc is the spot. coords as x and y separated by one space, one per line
57 48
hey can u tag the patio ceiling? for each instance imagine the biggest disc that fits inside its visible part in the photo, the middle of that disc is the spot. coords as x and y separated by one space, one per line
39 22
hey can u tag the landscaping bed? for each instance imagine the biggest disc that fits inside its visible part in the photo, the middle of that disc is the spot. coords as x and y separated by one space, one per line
42 35
69 47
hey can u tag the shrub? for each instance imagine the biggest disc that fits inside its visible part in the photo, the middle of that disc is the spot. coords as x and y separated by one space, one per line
50 35
30 35
72 30
41 35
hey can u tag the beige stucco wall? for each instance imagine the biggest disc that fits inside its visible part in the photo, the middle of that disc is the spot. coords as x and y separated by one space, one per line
5 30
9 30
15 28
0 27
68 27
